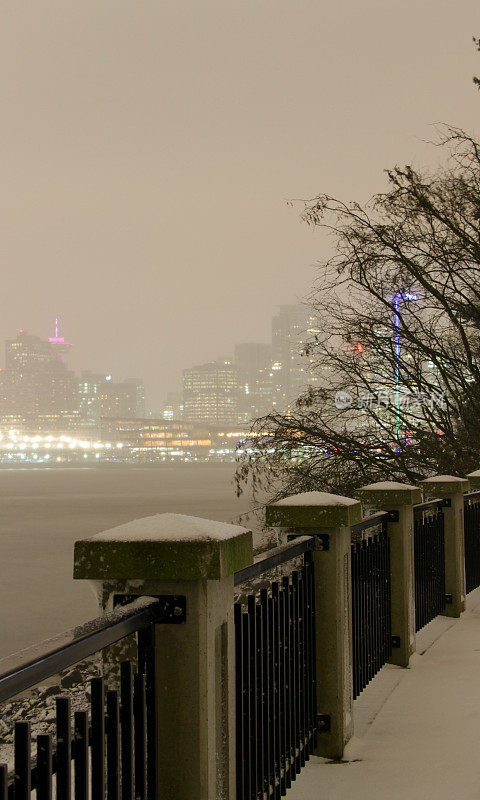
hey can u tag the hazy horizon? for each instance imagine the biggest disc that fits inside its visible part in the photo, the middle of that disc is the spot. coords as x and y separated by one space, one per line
150 149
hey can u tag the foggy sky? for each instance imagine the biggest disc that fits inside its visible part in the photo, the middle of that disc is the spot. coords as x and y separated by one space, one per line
149 148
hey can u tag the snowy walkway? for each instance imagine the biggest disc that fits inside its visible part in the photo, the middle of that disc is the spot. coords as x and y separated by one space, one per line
417 734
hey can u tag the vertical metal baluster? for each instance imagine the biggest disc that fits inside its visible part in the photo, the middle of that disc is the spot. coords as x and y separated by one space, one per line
253 694
259 699
146 656
44 767
113 745
389 596
371 615
98 739
266 691
368 576
442 565
23 776
288 685
308 630
429 563
81 755
383 598
293 690
353 560
301 608
238 700
64 748
297 671
140 736
247 788
271 696
276 694
281 686
363 618
3 782
126 725
313 622
415 570
375 604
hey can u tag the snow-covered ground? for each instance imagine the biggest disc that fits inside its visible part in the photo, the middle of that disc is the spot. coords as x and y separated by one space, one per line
417 730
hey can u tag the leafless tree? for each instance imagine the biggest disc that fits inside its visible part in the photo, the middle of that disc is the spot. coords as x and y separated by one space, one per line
397 355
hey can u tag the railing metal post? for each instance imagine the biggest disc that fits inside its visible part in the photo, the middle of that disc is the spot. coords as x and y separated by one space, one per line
451 489
398 499
193 560
328 517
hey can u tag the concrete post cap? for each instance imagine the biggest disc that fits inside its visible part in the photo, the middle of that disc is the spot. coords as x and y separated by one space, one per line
165 547
444 485
389 494
313 510
474 479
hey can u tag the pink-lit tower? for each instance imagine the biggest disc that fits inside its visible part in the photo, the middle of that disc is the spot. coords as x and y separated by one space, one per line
59 346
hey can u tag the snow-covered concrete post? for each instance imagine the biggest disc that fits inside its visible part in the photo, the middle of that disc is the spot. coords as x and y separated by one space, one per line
451 489
176 555
474 479
398 498
328 517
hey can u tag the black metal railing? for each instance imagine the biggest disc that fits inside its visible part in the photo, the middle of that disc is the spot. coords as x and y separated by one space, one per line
371 601
472 540
429 561
112 746
276 722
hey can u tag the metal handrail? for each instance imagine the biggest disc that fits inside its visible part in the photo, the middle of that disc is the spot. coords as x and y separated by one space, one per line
28 667
370 522
275 557
474 495
419 508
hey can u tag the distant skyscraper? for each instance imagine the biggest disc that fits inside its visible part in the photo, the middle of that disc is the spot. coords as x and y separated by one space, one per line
253 361
292 327
210 393
58 344
35 380
100 396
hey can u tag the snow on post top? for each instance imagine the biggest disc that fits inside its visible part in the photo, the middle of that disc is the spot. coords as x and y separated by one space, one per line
161 527
316 499
389 494
444 479
164 547
313 510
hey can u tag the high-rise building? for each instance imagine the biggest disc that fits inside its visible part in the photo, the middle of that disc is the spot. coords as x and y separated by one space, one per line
100 396
253 361
292 328
58 344
210 393
172 408
36 379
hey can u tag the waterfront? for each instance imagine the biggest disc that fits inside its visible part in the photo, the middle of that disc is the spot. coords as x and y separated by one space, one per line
43 512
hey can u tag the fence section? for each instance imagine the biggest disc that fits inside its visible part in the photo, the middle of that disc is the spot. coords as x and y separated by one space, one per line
112 747
429 562
472 540
275 675
371 603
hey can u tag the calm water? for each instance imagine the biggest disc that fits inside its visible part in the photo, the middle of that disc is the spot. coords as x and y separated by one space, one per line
43 512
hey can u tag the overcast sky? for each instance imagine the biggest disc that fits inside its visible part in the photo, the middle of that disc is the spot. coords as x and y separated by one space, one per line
149 149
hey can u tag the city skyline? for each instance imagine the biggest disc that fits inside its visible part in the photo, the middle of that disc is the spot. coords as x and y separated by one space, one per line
152 149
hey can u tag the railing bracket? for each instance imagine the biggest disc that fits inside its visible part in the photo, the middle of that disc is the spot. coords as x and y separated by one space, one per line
322 541
395 641
393 515
323 723
449 598
172 610
447 502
